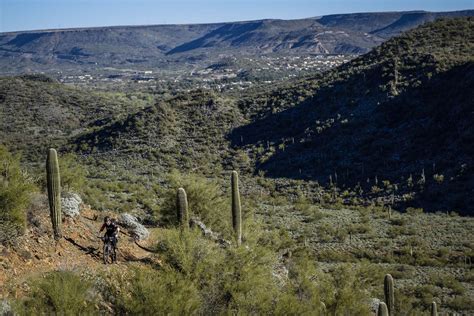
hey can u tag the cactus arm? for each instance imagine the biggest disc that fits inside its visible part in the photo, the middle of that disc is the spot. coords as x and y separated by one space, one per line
382 310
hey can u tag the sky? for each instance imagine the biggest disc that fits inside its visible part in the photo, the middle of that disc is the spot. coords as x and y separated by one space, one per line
20 15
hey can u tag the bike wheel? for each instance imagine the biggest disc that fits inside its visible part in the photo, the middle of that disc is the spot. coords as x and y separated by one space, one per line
114 255
106 253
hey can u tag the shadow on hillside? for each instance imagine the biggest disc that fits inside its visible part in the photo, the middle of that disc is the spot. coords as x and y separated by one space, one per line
229 32
427 128
299 134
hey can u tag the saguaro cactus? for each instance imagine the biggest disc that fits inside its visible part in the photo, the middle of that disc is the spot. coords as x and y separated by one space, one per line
236 208
434 309
54 191
382 310
182 208
389 293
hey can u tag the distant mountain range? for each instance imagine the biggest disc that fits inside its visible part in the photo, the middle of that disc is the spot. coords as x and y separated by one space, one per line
158 45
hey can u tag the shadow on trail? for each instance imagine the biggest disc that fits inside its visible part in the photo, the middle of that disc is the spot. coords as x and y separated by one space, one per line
144 248
93 252
94 218
125 255
128 257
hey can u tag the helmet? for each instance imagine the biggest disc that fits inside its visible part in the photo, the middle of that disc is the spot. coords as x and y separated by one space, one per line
106 219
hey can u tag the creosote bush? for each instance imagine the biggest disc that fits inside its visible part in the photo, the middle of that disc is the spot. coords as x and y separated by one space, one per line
16 187
73 173
59 293
205 201
150 292
254 280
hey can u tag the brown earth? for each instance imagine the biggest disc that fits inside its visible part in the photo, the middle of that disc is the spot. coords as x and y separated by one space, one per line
37 252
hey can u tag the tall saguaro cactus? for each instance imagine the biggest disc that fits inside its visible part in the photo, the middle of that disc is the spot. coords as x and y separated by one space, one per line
182 208
382 310
389 293
434 309
54 191
236 208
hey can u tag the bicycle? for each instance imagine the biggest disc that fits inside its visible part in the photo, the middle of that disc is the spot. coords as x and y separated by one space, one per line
109 249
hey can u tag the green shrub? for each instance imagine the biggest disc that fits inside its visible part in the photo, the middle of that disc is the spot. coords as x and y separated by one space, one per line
73 173
236 279
189 253
59 293
16 187
206 201
349 296
426 294
249 282
461 303
150 292
448 281
403 272
305 207
359 228
414 211
306 290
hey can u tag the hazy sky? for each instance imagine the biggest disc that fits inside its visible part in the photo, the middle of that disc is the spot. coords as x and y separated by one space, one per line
41 14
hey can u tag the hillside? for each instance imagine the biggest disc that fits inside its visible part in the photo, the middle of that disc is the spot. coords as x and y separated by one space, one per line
80 247
173 46
188 131
279 36
396 113
36 111
344 176
400 113
419 250
386 24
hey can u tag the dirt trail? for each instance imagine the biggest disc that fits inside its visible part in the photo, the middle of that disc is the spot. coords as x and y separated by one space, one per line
37 252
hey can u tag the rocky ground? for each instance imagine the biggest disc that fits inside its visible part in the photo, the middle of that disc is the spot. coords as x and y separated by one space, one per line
37 252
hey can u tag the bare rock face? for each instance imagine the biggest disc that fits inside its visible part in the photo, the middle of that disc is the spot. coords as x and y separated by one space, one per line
71 204
133 225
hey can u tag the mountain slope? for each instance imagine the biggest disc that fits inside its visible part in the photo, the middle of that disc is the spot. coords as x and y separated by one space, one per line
37 112
161 46
273 36
402 111
188 131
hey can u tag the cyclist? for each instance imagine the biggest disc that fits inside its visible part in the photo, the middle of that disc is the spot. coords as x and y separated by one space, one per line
111 230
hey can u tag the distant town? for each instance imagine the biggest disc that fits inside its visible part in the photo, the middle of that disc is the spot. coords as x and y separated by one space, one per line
228 73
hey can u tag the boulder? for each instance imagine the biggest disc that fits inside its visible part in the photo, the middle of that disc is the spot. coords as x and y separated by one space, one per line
374 304
71 204
5 308
133 225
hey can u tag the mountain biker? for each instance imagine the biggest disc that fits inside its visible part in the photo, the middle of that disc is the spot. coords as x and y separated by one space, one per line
111 230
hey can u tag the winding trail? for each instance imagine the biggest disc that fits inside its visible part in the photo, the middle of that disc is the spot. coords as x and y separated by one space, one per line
36 252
